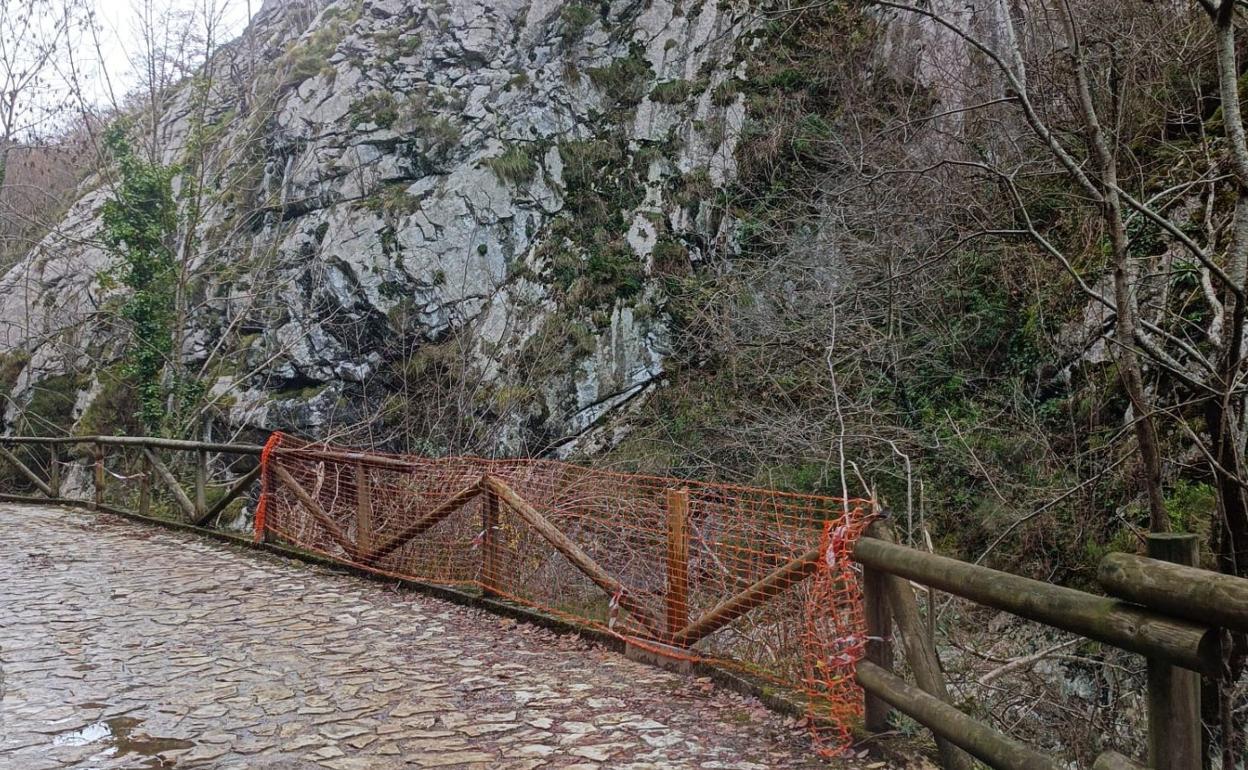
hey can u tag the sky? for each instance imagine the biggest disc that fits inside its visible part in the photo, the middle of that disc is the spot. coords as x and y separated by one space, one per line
115 67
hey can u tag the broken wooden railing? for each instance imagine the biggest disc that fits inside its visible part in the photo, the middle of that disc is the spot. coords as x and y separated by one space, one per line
193 507
674 568
1162 607
677 570
674 629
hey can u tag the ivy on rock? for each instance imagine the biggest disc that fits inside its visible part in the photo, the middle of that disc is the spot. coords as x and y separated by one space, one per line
139 222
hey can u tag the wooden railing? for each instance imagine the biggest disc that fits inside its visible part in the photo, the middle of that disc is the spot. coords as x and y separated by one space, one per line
1160 606
194 506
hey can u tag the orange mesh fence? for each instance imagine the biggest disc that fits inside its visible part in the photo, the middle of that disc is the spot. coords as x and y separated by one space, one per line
752 579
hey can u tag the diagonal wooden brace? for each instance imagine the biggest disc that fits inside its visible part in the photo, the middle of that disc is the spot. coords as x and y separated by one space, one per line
574 554
27 472
759 593
171 482
239 487
426 522
313 507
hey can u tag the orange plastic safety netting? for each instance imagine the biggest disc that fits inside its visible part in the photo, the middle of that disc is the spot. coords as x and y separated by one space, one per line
747 578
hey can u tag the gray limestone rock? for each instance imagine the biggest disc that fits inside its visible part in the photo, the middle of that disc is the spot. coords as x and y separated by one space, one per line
396 179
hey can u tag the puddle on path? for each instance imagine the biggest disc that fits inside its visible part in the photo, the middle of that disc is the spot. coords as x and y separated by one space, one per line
121 739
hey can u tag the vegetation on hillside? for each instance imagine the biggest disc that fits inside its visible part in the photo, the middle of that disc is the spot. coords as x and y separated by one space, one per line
139 222
999 287
998 283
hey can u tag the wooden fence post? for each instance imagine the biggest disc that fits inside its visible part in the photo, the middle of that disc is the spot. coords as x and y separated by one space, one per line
201 483
98 453
489 544
1173 693
363 509
879 642
54 471
145 489
677 560
920 654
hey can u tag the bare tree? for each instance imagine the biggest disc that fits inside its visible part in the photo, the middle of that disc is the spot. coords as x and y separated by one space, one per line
32 33
1085 84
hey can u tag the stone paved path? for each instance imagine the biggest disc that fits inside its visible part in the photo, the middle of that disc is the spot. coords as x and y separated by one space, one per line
123 645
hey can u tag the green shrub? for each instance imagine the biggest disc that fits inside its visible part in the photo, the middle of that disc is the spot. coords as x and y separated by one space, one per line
308 57
788 79
725 93
599 185
576 19
614 272
409 45
624 80
515 165
1189 503
11 365
379 107
670 256
50 409
671 91
116 406
810 134
392 201
439 135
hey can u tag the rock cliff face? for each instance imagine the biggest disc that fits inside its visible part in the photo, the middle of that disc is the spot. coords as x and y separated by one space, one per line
395 207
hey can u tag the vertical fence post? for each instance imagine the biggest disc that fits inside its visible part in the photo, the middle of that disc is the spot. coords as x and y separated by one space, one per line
54 471
489 544
363 510
201 483
677 559
98 454
1173 693
879 643
922 657
145 488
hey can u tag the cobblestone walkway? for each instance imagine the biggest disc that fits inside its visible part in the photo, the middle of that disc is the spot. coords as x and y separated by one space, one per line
123 645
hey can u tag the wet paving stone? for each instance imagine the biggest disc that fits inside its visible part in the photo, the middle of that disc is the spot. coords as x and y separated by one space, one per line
124 646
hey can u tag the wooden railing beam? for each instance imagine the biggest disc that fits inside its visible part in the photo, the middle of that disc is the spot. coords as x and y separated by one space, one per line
373 461
136 441
996 749
1199 595
1190 645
